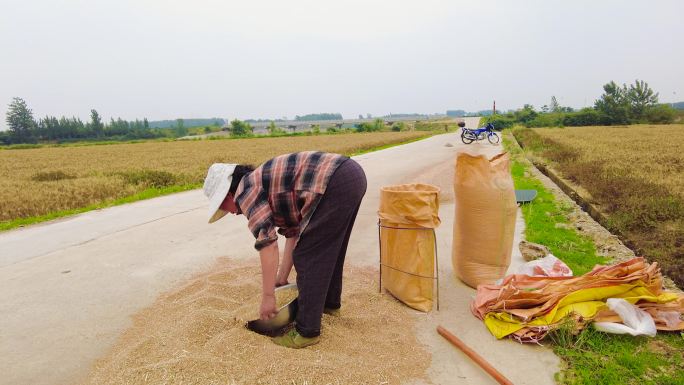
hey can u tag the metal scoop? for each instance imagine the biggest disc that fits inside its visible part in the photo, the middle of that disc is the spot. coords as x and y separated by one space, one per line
285 316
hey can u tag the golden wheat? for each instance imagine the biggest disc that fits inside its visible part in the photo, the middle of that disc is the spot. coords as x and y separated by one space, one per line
39 181
635 175
654 153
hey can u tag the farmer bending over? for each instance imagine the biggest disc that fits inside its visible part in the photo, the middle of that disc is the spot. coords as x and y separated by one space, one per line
312 198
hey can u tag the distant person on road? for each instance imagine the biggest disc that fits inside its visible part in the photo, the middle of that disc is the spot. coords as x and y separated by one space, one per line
312 198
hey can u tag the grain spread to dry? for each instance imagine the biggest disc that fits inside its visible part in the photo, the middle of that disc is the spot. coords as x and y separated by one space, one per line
285 296
196 335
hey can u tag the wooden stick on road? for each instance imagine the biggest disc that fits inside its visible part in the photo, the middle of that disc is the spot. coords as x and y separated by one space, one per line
474 356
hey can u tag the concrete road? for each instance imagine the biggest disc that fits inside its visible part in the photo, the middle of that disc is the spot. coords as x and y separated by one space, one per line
68 288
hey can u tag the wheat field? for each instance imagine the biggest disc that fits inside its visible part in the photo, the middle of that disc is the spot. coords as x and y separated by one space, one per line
40 181
634 175
653 153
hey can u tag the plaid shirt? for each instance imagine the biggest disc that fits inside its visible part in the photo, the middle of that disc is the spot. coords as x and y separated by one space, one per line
284 192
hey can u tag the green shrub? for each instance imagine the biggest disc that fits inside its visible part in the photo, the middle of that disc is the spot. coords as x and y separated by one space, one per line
4 138
678 116
399 126
240 128
546 120
501 121
526 114
364 127
584 117
660 114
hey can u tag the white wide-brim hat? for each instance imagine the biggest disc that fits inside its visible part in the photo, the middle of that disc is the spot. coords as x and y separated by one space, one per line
216 186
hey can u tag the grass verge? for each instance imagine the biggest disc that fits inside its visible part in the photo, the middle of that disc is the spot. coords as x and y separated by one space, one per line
591 357
154 192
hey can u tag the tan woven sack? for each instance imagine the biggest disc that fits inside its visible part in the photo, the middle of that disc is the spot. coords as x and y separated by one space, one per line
484 223
408 214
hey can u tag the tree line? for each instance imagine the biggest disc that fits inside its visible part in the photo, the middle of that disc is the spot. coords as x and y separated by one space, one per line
24 128
239 128
322 116
618 105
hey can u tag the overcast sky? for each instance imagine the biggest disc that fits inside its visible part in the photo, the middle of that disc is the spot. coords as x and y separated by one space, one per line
164 59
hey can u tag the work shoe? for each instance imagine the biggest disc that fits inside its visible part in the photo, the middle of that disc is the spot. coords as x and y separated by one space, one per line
292 339
332 312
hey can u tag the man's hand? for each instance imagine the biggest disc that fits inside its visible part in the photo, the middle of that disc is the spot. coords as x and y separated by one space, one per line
268 307
269 267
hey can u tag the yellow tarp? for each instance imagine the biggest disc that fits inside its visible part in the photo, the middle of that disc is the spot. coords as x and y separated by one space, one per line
585 302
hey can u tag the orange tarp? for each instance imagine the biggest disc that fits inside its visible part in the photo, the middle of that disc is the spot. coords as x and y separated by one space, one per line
527 307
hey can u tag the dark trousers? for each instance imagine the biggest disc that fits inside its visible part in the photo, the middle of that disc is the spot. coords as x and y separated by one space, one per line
319 255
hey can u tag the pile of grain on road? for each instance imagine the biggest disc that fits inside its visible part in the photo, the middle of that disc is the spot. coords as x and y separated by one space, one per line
196 335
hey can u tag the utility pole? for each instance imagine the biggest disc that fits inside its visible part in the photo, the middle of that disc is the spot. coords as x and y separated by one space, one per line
494 108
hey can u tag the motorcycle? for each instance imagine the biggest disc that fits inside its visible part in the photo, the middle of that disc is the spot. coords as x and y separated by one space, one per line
470 135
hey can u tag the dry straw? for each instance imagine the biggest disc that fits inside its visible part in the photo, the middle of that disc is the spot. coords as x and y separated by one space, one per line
196 335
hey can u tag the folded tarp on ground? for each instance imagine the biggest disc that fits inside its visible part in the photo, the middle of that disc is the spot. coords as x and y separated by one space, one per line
526 308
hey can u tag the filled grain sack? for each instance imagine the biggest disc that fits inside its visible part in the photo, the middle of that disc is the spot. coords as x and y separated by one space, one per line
484 223
408 214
